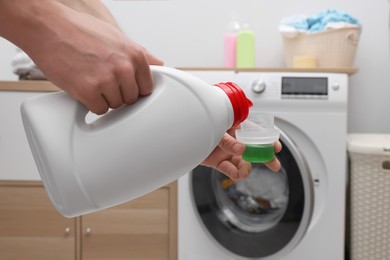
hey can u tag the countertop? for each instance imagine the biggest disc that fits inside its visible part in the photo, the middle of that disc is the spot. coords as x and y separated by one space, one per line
46 86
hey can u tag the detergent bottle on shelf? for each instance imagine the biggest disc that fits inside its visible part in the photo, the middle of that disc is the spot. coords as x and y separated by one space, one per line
130 151
246 48
230 45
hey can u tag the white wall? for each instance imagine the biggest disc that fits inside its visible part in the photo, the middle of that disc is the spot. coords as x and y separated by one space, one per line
189 33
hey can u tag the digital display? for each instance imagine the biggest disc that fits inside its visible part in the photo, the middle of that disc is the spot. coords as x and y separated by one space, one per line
304 86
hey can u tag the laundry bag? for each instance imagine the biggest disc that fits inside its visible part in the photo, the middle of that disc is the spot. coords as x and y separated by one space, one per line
331 48
369 232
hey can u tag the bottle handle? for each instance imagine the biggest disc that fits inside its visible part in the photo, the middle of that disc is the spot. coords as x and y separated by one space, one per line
97 122
80 112
106 120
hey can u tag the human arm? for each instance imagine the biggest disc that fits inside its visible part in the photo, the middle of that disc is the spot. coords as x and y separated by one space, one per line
227 158
93 7
89 58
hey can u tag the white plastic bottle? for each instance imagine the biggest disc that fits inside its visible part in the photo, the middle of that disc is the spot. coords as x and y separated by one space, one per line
130 151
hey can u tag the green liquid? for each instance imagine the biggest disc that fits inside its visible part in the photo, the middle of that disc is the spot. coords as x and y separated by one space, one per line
258 153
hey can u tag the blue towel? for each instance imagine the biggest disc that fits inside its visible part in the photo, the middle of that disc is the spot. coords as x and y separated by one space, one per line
318 22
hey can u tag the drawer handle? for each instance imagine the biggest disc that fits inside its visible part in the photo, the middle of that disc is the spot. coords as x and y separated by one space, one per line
386 165
88 231
67 231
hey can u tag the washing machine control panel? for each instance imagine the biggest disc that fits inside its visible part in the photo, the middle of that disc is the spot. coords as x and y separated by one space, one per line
292 87
304 87
281 89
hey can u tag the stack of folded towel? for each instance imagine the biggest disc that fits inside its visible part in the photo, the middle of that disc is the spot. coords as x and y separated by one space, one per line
25 68
328 19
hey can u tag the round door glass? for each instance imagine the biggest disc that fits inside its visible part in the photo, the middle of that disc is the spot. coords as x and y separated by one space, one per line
256 203
261 216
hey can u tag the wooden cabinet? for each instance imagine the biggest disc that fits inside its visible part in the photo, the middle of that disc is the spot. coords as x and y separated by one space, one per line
139 229
30 227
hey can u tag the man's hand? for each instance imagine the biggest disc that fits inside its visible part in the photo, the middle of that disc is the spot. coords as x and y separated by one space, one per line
89 58
95 62
227 158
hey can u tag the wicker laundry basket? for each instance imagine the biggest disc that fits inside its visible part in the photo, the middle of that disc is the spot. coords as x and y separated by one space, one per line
332 48
370 196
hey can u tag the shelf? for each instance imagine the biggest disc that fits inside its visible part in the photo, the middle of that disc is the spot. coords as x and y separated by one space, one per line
47 86
28 85
345 70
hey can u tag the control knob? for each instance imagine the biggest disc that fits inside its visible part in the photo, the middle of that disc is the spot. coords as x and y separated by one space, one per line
258 86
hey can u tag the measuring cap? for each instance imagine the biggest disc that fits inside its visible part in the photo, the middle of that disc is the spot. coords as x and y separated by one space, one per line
258 129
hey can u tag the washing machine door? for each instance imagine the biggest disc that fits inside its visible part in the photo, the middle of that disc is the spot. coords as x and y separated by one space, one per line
263 216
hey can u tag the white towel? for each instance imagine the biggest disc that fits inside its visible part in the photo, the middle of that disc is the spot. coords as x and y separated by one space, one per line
25 68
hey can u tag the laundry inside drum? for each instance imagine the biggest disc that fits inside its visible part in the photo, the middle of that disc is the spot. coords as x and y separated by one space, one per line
254 204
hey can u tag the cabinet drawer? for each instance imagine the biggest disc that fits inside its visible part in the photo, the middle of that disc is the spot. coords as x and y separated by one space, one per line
138 229
30 228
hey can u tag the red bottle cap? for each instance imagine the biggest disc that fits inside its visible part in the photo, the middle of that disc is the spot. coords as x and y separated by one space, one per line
240 102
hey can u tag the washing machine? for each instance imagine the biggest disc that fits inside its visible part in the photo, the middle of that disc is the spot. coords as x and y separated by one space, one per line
297 213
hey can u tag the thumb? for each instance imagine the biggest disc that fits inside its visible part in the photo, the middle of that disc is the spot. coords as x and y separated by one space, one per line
153 60
230 145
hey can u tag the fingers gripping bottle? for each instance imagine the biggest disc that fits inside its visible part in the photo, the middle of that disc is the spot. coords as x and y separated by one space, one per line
132 150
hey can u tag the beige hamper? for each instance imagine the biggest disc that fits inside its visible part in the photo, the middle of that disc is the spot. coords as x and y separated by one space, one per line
370 196
332 48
